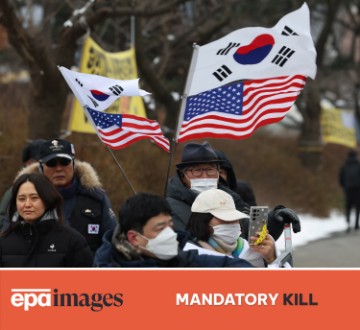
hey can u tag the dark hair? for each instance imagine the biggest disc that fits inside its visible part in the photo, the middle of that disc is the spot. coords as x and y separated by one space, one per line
31 150
138 209
198 226
45 189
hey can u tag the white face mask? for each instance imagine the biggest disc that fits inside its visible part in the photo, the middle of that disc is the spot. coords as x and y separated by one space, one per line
200 185
227 233
165 245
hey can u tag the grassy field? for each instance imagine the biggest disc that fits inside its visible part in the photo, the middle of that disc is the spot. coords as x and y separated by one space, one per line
269 163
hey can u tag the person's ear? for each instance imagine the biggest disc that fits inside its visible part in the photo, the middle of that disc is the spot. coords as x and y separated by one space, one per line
133 237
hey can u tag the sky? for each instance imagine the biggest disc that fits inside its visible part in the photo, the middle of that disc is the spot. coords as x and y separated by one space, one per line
313 228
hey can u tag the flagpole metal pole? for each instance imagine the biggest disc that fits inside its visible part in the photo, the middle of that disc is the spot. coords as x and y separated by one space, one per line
173 141
172 151
132 31
121 169
187 87
111 153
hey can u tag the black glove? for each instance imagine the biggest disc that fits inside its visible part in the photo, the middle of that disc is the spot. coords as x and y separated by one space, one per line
286 215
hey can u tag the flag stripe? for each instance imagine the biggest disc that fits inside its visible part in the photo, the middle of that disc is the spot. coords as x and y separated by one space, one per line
262 102
128 138
119 131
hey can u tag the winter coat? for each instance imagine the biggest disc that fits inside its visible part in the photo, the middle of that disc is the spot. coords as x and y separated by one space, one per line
86 207
44 244
181 199
4 206
349 175
116 251
241 187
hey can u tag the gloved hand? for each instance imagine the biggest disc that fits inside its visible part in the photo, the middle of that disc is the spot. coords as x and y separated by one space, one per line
284 215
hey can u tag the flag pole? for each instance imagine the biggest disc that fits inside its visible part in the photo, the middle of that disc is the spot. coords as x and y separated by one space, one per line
186 90
121 169
111 153
182 111
132 31
172 151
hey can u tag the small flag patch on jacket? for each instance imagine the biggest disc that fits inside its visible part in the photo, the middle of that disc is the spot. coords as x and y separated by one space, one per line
93 229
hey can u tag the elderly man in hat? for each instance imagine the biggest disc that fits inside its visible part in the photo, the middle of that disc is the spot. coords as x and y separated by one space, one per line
86 206
199 171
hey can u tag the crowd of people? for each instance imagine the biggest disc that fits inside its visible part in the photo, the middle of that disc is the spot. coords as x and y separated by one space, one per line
56 214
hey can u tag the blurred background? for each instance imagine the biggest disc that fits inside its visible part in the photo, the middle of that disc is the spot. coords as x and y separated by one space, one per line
294 163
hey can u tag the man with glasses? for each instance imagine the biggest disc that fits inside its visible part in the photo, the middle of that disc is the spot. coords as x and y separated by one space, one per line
199 171
86 206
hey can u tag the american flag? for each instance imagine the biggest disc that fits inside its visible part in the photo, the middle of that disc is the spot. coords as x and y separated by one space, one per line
236 110
120 130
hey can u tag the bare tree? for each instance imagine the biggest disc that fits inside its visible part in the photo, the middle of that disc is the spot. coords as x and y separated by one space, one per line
165 32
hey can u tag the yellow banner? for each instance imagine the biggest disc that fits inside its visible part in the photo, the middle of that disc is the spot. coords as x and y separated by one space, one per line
338 126
120 65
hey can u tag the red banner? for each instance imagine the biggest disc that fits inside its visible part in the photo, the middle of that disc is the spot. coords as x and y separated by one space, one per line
178 299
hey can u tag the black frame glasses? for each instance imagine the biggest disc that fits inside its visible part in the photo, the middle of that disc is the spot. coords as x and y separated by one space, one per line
55 161
198 172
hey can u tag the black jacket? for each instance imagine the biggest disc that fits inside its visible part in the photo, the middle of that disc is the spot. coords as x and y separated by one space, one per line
241 187
110 256
181 199
349 175
44 244
86 207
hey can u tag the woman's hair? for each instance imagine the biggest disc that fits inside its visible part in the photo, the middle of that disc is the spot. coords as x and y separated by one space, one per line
45 189
198 226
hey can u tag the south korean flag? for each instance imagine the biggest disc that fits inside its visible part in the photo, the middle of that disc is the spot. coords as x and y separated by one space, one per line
93 229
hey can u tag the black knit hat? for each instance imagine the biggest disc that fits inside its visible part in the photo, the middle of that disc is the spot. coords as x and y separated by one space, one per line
195 153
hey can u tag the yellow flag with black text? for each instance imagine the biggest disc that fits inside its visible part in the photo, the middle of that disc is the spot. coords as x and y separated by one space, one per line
119 65
338 125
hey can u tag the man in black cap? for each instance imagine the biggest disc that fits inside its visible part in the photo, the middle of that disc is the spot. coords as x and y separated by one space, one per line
199 171
86 205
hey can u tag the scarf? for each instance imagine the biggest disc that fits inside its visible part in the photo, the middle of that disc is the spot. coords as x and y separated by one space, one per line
233 249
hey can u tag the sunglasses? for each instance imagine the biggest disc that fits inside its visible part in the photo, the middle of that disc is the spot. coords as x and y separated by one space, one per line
55 161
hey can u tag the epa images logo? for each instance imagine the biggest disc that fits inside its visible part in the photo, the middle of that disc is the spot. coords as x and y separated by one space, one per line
29 298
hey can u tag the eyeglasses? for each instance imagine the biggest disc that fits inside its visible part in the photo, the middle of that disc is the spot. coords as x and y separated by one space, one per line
197 172
55 161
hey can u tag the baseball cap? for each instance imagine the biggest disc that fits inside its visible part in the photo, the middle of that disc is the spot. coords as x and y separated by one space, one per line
219 203
56 148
